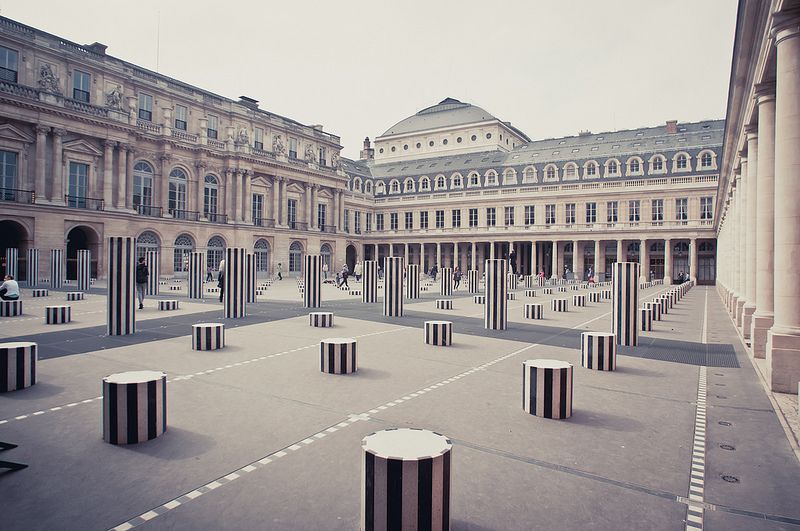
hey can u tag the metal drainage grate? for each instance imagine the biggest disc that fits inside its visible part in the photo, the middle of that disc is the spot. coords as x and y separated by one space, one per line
690 353
730 479
728 447
724 423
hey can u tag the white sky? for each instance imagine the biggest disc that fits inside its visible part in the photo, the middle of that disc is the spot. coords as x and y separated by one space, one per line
552 68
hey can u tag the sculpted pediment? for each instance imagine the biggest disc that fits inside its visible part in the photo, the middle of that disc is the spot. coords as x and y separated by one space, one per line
9 132
82 146
296 188
325 193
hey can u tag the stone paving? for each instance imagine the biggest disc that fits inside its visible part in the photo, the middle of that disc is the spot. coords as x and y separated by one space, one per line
259 438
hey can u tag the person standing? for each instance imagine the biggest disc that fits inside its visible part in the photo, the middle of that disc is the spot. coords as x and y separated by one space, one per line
433 272
9 290
358 270
141 280
221 279
325 270
209 274
345 273
280 271
456 277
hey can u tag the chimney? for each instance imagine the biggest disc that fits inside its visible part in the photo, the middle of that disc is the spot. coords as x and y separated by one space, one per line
367 153
672 127
97 47
584 133
248 102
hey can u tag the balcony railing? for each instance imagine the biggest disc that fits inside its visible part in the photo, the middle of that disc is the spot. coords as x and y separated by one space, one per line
328 228
216 218
17 196
89 203
147 210
298 225
264 222
188 215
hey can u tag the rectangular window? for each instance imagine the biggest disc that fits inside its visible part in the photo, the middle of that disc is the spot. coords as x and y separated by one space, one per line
357 221
80 86
9 64
569 214
379 222
145 107
508 214
77 187
291 213
530 215
8 175
440 219
181 114
423 220
591 212
633 210
409 220
258 138
491 219
258 206
549 214
456 217
682 209
292 148
473 217
706 208
346 220
212 126
612 213
322 157
322 215
368 228
393 221
658 209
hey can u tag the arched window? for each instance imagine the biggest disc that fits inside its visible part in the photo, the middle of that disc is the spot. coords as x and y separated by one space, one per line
529 175
368 188
590 170
357 184
612 167
634 167
474 179
380 188
295 257
424 184
216 252
326 252
550 173
456 181
509 176
682 162
184 244
408 185
146 241
177 193
261 252
570 172
491 178
347 184
143 188
441 183
657 247
210 197
706 160
394 186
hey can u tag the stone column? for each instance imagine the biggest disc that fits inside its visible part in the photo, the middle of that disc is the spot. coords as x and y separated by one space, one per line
130 161
599 258
237 195
783 340
554 271
200 168
577 263
229 195
438 255
276 192
41 144
341 209
391 249
455 256
405 253
284 203
248 197
491 250
473 257
59 184
108 173
765 222
750 233
334 219
667 261
644 262
693 259
122 176
308 205
741 216
312 223
163 195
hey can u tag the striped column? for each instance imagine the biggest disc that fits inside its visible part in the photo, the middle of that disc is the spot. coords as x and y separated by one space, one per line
479 299
512 281
75 296
646 318
56 268
134 406
495 313
560 305
40 292
12 262
547 291
598 351
17 365
369 288
208 336
547 388
444 304
32 268
233 300
412 281
167 305
664 301
320 319
533 310
250 278
338 355
655 309
57 314
393 286
446 282
473 281
528 281
151 260
405 480
84 269
625 303
10 308
530 292
439 333
197 273
594 296
312 280
121 299
579 300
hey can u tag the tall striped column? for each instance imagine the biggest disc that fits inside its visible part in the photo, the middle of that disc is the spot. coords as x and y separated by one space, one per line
32 268
393 286
12 259
412 281
56 268
151 260
121 303
625 302
446 282
250 278
312 276
197 262
495 310
84 269
233 301
369 290
473 281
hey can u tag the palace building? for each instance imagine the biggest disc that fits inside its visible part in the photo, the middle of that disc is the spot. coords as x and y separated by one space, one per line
93 146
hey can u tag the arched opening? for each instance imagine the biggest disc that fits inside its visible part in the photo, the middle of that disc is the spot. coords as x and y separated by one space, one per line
146 241
184 244
706 263
326 253
261 251
79 238
215 252
13 236
350 257
295 257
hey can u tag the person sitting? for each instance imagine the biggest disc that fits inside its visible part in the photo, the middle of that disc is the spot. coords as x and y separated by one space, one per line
9 290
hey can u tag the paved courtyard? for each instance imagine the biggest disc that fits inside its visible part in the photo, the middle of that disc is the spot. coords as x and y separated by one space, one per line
259 438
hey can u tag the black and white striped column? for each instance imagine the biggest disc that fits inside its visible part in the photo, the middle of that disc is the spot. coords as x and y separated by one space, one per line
167 305
625 303
511 296
533 310
405 480
579 300
655 309
18 365
528 281
337 355
84 268
446 282
233 300
606 294
75 296
197 273
530 292
320 319
369 288
250 278
547 388
444 304
412 281
121 290
439 333
208 336
664 301
646 318
32 268
134 406
40 292
560 305
598 351
547 291
10 308
57 314
594 296
151 260
479 299
512 281
473 281
12 262
393 286
312 280
56 268
495 312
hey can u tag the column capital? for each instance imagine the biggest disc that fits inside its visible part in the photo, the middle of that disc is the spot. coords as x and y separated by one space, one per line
751 131
109 144
42 129
764 92
59 132
201 165
165 157
785 26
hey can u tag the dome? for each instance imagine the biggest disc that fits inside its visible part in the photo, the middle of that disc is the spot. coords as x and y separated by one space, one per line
446 113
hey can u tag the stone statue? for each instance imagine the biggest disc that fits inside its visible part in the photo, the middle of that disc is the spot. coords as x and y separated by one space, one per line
242 137
48 81
335 161
114 98
277 145
310 153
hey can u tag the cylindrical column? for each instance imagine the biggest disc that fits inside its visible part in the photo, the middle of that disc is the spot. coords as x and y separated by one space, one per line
122 178
154 268
393 286
250 278
644 261
56 268
598 351
12 262
412 281
473 281
233 300
547 388
667 261
197 272
750 234
554 271
121 303
84 269
369 289
131 159
108 172
41 144
741 215
32 268
472 258
338 355
446 282
229 195
59 184
312 280
625 303
248 198
134 406
276 192
18 362
496 292
439 333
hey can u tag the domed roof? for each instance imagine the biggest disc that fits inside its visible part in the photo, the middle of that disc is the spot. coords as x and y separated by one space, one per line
446 113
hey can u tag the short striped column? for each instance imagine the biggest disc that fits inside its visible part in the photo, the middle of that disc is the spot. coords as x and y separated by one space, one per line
56 268
312 281
655 309
562 289
512 281
176 287
57 314
547 291
439 333
32 268
40 292
510 296
12 262
250 278
151 260
446 282
84 267
10 308
560 305
121 295
197 273
134 406
356 292
530 292
233 300
579 300
606 294
208 336
533 310
598 351
473 281
75 296
412 281
18 365
528 281
646 318
167 305
337 355
625 304
547 388
664 304
594 296
320 319
479 299
405 480
369 288
496 308
444 304
393 286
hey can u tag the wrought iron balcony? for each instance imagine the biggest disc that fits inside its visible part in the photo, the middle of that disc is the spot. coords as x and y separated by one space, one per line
148 210
188 215
328 228
213 217
89 203
298 225
264 222
15 195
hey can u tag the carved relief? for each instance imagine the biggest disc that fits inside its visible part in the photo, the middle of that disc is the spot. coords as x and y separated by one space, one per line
277 145
48 81
335 161
114 98
309 153
242 137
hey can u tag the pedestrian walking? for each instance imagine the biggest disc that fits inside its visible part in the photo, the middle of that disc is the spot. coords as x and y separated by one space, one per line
221 279
345 272
358 270
141 280
325 270
456 277
210 274
280 271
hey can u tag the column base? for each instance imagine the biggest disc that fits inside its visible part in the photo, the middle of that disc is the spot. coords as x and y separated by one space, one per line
783 362
747 320
734 303
758 334
739 311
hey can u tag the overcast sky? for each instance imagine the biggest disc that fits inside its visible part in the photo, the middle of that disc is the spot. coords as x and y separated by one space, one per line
552 68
